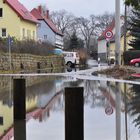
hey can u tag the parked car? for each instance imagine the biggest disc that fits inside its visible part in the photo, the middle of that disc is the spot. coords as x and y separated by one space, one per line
135 62
58 51
71 58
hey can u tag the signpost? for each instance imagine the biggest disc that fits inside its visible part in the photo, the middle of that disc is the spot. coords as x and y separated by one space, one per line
109 110
9 48
108 36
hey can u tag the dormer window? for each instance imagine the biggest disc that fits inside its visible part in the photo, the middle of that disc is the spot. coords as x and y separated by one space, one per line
1 12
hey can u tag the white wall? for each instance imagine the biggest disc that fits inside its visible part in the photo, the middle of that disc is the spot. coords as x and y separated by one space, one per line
102 46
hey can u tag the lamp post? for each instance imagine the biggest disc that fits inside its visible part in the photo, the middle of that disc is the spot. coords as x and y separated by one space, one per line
117 32
117 57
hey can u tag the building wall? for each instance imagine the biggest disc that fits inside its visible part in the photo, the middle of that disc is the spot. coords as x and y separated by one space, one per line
112 46
102 46
102 49
14 24
59 41
44 33
10 21
29 30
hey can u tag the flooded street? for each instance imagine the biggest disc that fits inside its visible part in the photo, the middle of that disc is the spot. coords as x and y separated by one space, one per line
45 107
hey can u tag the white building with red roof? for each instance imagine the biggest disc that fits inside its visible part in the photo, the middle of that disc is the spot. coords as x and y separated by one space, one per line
46 30
16 21
106 52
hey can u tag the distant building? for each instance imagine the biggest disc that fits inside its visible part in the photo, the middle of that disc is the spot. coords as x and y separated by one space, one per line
102 42
16 21
46 30
104 51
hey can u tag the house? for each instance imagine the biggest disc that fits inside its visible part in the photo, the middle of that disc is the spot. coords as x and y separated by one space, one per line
107 50
16 21
46 30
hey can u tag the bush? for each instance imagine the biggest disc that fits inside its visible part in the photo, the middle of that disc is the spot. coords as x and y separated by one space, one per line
128 55
27 46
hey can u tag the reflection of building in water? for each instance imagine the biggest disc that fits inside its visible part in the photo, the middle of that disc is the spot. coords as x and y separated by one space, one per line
39 95
102 93
7 114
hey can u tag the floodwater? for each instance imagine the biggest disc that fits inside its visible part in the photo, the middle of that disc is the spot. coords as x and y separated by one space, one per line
45 107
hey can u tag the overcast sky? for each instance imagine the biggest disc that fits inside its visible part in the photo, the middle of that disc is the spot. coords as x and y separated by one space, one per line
77 7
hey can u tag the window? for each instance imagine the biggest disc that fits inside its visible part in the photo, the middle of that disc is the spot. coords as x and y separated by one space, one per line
45 37
3 32
1 120
1 12
29 34
33 34
39 25
23 33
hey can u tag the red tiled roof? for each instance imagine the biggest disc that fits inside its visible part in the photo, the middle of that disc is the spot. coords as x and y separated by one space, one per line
110 27
21 10
35 12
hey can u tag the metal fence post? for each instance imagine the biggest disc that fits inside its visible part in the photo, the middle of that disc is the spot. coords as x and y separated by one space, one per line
19 109
74 119
19 129
19 99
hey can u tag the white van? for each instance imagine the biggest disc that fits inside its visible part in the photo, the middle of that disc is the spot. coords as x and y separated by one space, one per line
71 58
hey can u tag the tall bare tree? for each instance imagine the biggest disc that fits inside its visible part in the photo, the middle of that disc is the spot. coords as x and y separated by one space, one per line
87 28
103 21
62 19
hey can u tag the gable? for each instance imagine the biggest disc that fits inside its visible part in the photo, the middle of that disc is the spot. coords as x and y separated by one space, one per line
37 13
20 10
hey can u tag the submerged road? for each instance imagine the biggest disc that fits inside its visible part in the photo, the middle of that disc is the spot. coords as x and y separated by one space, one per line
81 74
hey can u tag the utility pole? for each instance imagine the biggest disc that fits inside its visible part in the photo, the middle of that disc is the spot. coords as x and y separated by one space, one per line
117 32
125 26
118 111
125 99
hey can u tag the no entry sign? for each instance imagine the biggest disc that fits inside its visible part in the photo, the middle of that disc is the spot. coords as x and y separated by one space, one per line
108 34
109 110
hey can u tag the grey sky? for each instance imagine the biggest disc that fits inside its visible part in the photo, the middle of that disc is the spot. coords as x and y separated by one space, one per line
77 7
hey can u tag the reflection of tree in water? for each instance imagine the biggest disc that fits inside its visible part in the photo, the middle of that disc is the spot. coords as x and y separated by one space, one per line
92 93
135 105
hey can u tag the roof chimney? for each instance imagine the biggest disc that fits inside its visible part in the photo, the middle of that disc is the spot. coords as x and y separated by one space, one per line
47 14
40 9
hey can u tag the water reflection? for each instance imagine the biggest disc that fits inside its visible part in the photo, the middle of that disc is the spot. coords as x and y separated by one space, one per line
45 108
134 105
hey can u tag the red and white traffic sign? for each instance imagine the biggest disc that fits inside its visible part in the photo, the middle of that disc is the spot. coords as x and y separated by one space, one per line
108 34
109 110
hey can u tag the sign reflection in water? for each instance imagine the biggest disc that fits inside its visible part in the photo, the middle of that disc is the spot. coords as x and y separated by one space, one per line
45 107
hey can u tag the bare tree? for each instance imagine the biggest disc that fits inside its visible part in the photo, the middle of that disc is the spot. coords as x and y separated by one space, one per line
103 21
87 29
62 19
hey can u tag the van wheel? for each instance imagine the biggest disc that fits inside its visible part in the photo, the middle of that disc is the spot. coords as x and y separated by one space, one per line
137 64
69 64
